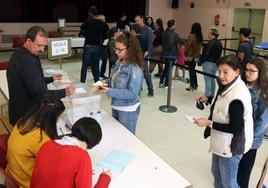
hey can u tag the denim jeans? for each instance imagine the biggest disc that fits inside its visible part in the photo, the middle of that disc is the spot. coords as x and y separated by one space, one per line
91 56
225 171
127 119
165 74
210 83
192 73
147 77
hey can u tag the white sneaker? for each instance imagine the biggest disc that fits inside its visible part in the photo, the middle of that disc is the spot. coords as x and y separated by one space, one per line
166 87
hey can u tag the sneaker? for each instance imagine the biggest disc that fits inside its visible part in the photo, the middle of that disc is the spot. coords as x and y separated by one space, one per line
150 94
103 77
189 89
166 87
161 85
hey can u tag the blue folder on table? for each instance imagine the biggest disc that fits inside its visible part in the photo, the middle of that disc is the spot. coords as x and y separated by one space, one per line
116 160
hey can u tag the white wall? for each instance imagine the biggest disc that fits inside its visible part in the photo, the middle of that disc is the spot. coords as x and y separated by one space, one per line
205 11
161 9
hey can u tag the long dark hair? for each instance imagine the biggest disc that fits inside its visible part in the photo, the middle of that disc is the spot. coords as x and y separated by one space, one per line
152 24
197 31
262 81
135 54
43 115
159 22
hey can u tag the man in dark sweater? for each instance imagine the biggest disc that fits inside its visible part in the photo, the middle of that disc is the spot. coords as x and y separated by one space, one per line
26 81
171 41
245 47
94 31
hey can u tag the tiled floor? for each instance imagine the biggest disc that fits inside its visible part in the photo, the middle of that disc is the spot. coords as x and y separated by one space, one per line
176 140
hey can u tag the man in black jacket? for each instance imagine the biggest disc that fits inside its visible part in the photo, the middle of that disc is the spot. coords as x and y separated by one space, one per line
95 32
26 81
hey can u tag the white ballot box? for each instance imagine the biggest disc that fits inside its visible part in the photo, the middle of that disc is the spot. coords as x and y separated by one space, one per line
76 107
86 106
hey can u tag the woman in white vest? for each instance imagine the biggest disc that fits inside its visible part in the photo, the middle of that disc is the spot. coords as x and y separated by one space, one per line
230 123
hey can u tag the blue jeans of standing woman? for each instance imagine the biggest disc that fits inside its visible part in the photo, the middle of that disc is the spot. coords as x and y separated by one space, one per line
127 119
224 170
210 83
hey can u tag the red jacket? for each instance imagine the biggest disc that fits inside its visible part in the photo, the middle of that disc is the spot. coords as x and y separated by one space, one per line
64 166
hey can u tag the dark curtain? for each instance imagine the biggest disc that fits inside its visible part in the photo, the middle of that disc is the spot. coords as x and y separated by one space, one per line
71 10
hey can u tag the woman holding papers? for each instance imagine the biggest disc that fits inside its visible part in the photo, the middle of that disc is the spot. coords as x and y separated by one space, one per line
65 162
34 129
126 81
255 76
230 123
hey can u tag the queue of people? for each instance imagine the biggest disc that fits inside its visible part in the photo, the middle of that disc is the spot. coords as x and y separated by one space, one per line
236 125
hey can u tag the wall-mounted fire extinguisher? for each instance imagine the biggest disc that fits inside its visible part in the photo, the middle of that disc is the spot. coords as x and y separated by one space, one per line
217 20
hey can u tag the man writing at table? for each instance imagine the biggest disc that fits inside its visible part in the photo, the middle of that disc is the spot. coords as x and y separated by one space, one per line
26 81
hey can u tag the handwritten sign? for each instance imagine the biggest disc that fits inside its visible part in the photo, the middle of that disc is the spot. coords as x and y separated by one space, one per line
59 47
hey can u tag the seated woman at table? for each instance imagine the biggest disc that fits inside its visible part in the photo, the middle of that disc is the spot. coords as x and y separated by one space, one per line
34 129
126 81
66 161
230 123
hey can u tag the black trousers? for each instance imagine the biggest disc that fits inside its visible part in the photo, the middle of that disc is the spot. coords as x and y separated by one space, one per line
192 73
245 167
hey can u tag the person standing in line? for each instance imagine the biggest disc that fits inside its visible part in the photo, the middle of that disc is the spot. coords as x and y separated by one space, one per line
66 161
111 48
230 124
149 21
103 50
157 47
171 42
255 76
122 23
25 77
192 52
34 129
136 31
210 55
147 35
95 31
245 47
126 81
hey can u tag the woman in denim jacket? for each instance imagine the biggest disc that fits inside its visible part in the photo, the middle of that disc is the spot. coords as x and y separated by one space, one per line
255 76
126 81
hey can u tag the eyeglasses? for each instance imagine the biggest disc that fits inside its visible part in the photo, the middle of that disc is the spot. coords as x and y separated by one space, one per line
118 50
251 71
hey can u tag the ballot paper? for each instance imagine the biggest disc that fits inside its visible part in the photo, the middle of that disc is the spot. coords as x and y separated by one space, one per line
190 118
105 42
95 86
80 90
65 81
116 160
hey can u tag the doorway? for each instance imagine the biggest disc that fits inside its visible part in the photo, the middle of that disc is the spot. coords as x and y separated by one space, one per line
251 18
